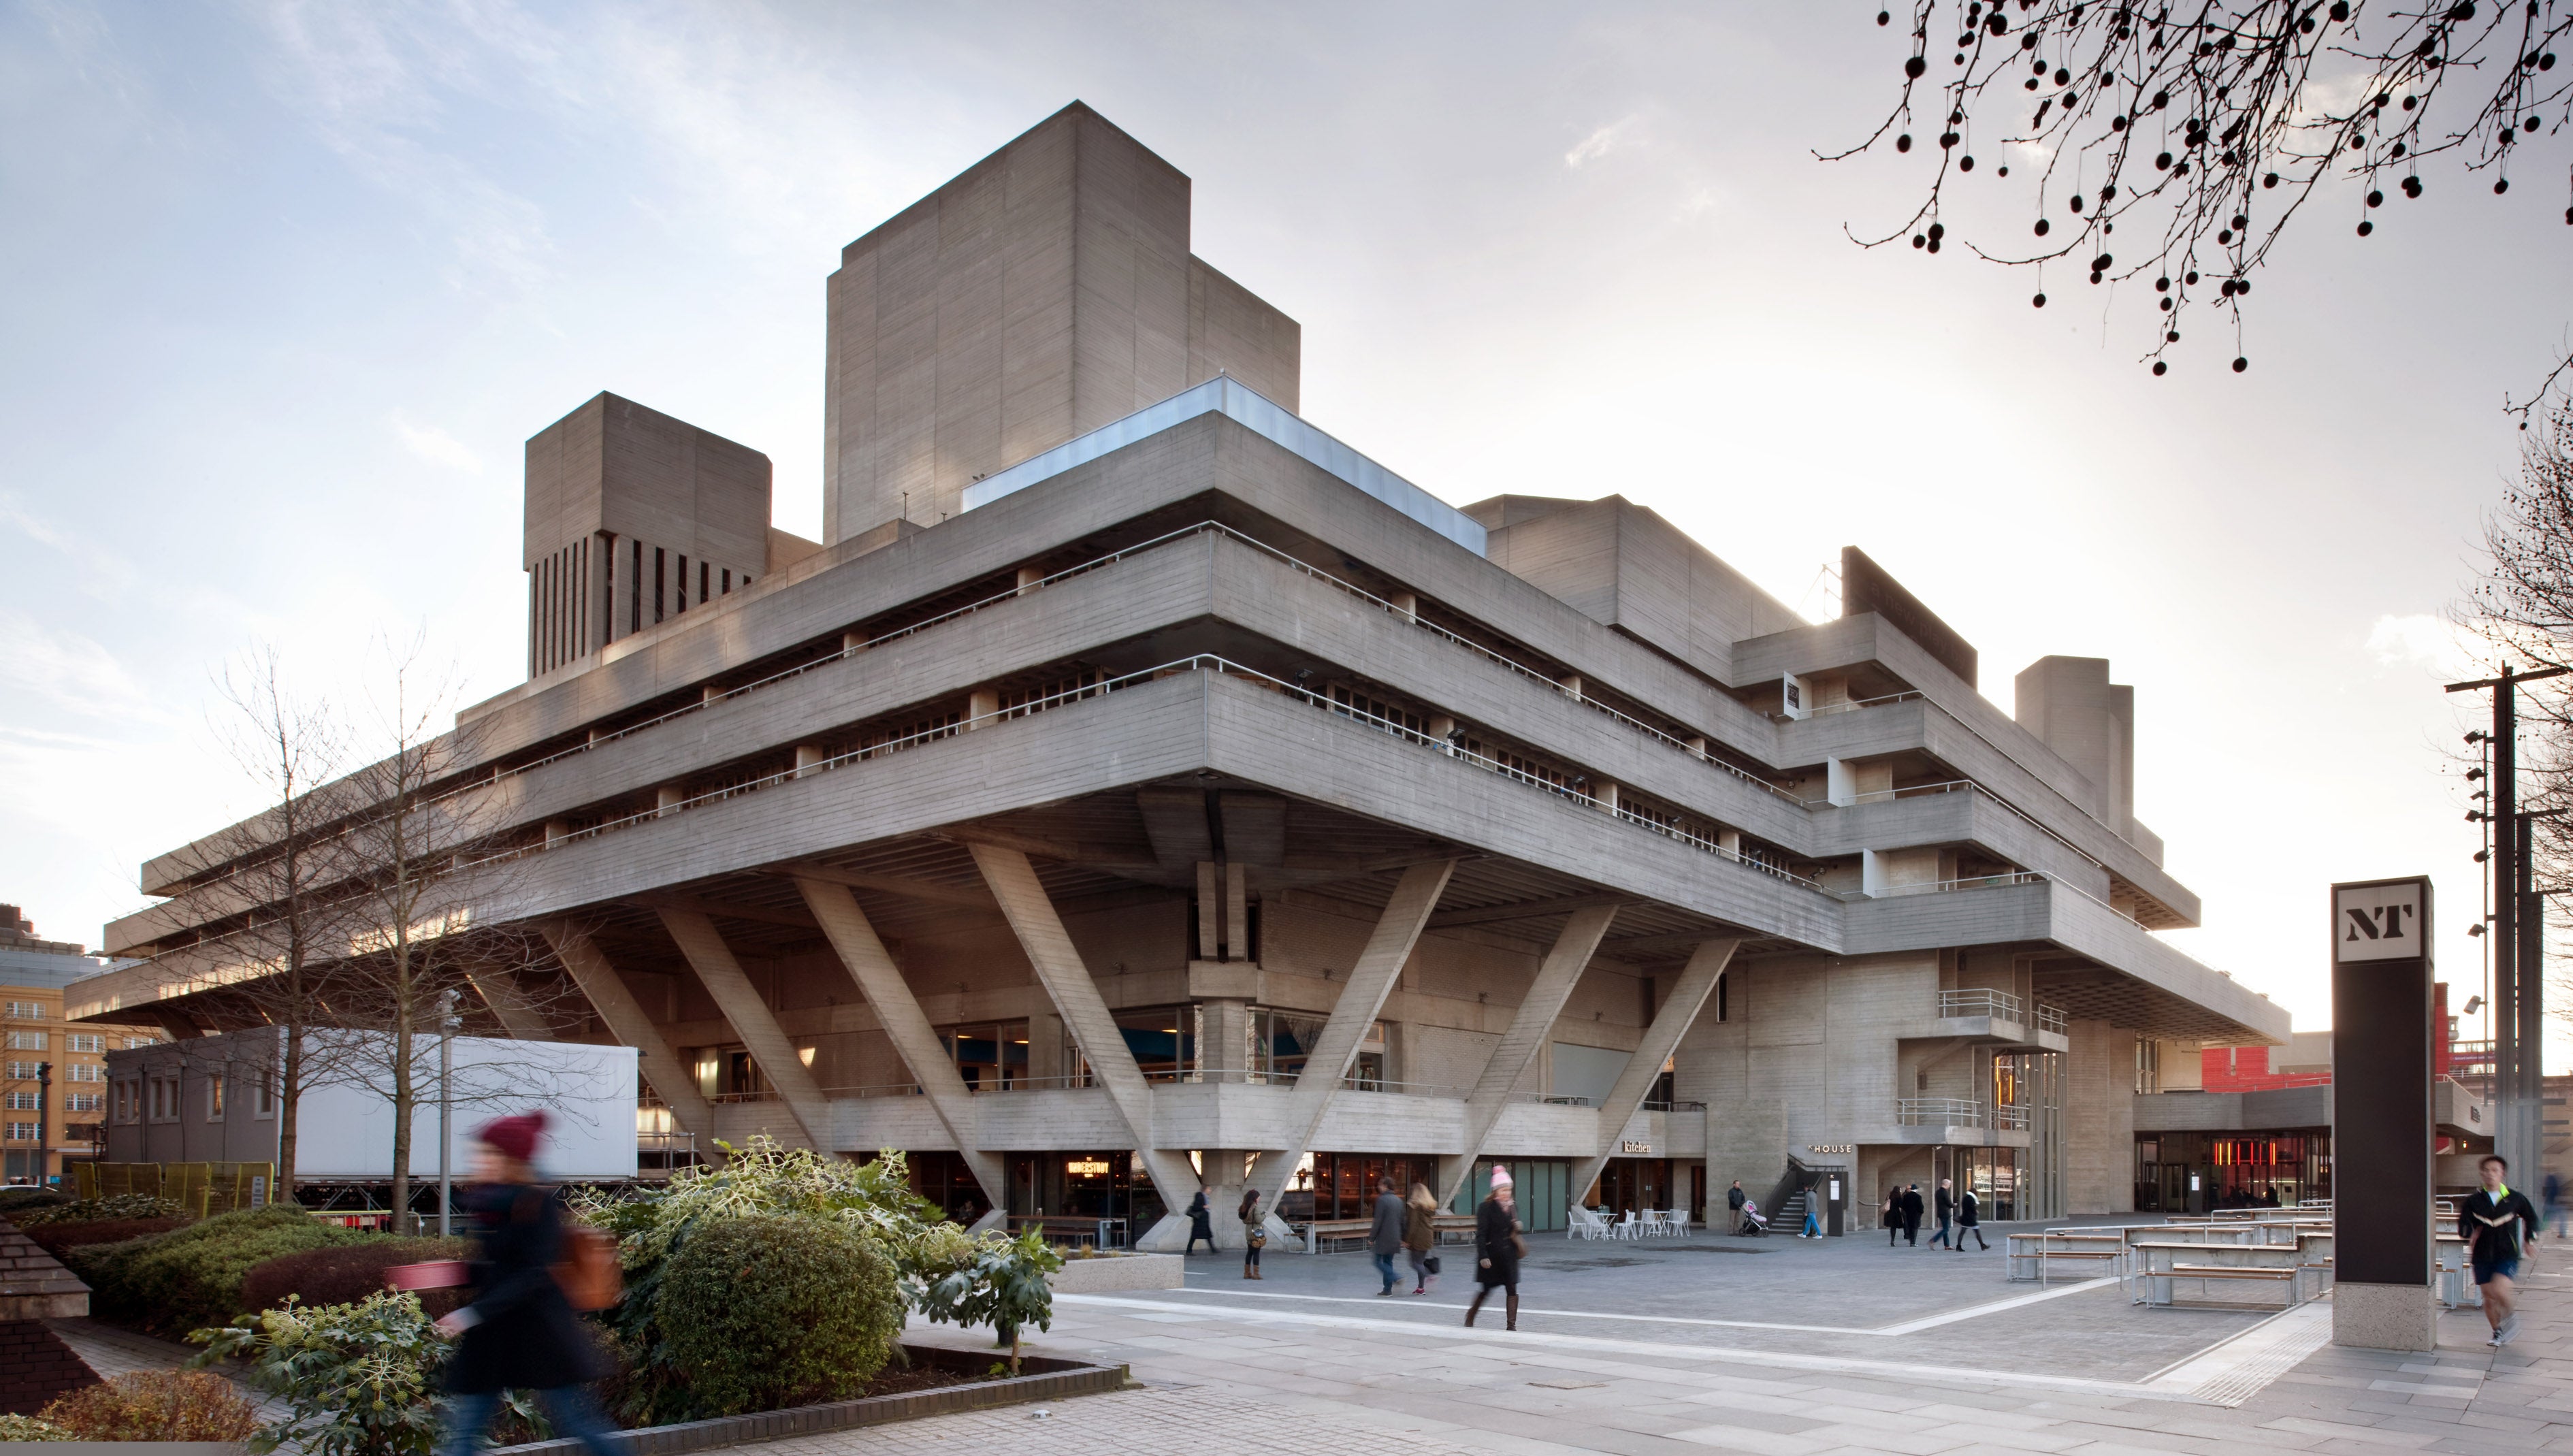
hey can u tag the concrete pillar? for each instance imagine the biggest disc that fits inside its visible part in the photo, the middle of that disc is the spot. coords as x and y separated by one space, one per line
1029 576
808 758
1839 785
1406 603
1047 1066
2098 1119
556 831
1210 914
1729 841
752 1021
1571 686
711 694
1697 744
852 643
662 1067
1439 728
1236 914
1223 1048
1076 997
1556 974
881 981
982 708
1605 793
1361 999
1688 993
667 799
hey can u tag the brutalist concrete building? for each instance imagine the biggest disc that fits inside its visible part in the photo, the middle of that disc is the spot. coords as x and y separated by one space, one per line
1139 785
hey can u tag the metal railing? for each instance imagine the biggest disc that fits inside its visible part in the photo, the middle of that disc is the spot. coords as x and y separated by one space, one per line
1887 796
1854 704
2049 1018
1966 882
1937 1113
2011 1117
1979 1001
1202 662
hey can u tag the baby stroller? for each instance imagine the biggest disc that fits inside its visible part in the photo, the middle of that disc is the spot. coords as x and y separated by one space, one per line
1755 1224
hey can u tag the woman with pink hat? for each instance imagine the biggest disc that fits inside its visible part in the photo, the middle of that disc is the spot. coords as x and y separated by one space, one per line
1497 1247
519 1332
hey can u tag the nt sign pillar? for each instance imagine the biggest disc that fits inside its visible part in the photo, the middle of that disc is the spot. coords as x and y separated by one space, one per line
2382 1192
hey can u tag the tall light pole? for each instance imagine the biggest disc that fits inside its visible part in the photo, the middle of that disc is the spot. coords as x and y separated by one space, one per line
446 1109
2518 989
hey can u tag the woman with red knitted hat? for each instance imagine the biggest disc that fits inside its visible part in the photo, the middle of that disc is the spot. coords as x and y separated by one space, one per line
519 1331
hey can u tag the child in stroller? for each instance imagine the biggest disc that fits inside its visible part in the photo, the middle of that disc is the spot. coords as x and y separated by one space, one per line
1755 1224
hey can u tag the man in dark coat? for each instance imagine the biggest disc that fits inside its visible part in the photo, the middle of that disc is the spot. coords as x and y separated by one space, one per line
1912 1215
1201 1224
1734 1198
1496 1248
519 1331
1944 1207
1385 1236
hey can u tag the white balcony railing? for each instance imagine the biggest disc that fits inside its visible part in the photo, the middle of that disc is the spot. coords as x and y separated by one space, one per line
1937 1113
1979 1001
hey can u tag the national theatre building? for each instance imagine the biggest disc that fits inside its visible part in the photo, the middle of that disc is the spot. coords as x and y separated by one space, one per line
1137 786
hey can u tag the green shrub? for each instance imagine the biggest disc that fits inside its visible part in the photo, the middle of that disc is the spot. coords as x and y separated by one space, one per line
82 1210
996 1281
28 1428
171 1283
14 1200
59 1240
155 1406
765 1312
348 1273
356 1379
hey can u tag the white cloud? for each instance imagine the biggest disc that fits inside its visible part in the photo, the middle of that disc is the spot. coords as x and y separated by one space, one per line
1610 137
68 669
437 447
2426 641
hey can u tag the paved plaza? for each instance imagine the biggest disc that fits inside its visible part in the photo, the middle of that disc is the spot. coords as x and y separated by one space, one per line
1772 1346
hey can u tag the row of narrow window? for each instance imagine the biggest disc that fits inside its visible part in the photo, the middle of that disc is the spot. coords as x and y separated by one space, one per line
573 596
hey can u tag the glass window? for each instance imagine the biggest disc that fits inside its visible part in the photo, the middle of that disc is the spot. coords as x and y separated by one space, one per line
990 1055
214 1097
1163 1040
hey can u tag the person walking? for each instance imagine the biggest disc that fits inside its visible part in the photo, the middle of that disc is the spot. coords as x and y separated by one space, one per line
1254 1236
1892 1213
1201 1223
518 1332
1497 1246
1421 1235
1912 1215
1734 1198
1944 1207
1384 1237
2491 1224
1970 1218
1813 1216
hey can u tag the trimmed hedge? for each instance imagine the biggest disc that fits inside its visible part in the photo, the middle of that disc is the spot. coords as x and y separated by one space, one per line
346 1274
86 1211
191 1278
765 1312
13 1199
58 1238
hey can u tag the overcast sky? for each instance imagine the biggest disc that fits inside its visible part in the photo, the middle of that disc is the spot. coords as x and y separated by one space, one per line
288 288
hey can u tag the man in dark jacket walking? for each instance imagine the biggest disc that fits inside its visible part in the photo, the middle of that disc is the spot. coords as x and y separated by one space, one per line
1944 1205
1384 1237
1912 1215
1734 1198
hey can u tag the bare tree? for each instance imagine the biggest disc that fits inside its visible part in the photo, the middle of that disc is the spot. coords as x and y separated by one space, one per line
282 866
2208 126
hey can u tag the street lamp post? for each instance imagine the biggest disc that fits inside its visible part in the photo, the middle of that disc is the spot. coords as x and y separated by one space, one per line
446 1109
2518 987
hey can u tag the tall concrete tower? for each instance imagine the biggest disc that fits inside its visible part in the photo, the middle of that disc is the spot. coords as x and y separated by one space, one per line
1045 292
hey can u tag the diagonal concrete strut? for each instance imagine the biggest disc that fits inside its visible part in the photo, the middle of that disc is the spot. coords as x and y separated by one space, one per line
752 1021
1661 1039
663 1070
1555 976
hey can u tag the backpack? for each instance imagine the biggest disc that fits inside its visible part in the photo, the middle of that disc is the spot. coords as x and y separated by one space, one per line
589 1273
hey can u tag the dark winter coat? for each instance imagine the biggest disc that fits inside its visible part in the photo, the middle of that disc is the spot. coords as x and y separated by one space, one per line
1734 1198
2495 1225
1201 1218
1968 1214
523 1335
1385 1236
1943 1202
1496 1248
1912 1208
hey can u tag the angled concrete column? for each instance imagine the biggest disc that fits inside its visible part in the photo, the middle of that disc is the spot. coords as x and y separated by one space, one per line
517 1015
880 981
1661 1039
752 1021
1415 895
1060 970
1555 976
627 1023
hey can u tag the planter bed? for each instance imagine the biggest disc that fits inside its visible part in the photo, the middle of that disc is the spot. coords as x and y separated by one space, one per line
1040 1378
